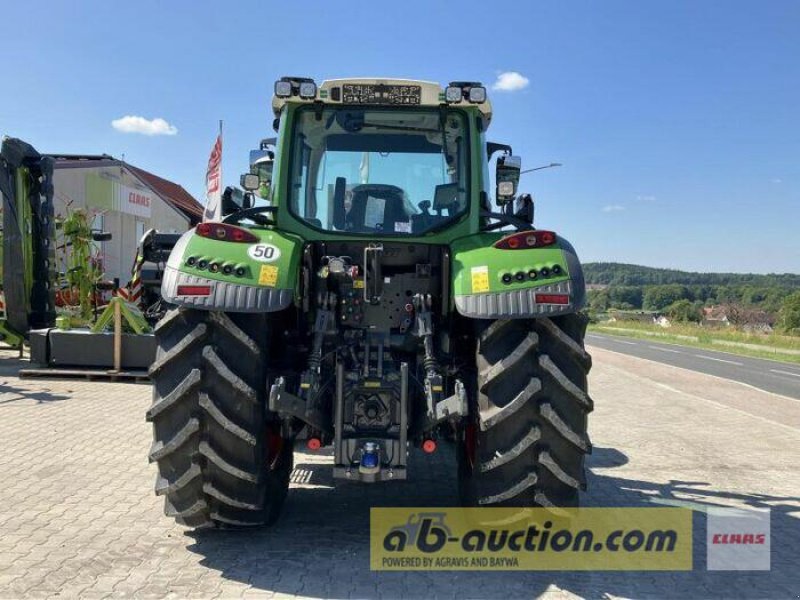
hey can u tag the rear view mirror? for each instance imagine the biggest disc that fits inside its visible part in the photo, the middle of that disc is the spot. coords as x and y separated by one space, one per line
256 155
507 177
234 200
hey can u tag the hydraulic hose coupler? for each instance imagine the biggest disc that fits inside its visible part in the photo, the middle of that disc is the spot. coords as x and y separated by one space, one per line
370 458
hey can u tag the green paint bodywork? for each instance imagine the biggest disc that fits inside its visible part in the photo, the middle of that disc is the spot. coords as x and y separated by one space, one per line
470 248
477 251
235 254
24 217
10 337
22 176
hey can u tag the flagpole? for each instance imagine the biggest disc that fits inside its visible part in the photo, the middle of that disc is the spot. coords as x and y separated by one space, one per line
220 168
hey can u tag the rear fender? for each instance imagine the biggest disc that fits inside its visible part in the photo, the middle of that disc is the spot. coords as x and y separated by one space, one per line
479 290
262 278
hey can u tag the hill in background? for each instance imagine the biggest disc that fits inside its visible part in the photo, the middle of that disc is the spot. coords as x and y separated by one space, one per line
616 274
772 298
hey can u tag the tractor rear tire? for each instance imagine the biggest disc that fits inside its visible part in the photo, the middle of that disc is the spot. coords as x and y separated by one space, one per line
221 460
526 440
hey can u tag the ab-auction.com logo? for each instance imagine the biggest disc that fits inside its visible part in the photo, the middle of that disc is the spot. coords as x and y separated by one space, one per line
494 539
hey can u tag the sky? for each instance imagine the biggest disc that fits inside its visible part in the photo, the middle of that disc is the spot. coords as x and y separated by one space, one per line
677 122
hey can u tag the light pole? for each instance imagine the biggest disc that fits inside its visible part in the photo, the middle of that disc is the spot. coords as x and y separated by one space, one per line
540 168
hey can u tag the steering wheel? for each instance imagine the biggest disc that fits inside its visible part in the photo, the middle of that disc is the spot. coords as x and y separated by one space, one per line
256 214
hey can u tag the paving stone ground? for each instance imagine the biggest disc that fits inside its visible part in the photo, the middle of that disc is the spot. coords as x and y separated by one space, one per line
78 517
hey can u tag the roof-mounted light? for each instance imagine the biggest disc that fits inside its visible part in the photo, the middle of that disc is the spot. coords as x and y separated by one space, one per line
453 94
283 89
477 94
308 89
473 91
287 87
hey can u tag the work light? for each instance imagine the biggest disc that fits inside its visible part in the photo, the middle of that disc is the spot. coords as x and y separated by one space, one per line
505 188
308 89
283 89
453 94
477 95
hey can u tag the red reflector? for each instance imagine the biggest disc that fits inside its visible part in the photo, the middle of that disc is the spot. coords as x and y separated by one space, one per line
194 290
225 233
552 298
429 446
314 443
525 240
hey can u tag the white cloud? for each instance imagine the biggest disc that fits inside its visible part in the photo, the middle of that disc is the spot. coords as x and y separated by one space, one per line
646 198
776 180
613 208
510 81
136 124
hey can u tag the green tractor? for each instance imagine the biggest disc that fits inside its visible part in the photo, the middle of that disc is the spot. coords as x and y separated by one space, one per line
376 302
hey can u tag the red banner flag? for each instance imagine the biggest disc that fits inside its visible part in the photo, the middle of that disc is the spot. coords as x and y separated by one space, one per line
213 211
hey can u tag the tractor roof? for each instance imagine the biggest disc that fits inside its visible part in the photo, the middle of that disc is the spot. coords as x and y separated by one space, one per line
368 92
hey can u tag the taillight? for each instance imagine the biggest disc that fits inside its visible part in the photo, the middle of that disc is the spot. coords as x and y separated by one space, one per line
194 290
552 298
225 233
524 240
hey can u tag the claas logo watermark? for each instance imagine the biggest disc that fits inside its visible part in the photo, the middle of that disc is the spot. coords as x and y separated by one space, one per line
530 539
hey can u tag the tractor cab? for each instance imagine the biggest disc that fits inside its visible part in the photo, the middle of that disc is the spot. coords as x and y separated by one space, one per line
384 158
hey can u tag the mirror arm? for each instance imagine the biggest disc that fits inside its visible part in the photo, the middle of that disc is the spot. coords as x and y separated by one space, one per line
493 147
255 214
503 220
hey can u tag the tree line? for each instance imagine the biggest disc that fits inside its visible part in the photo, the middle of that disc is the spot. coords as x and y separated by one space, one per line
682 295
636 275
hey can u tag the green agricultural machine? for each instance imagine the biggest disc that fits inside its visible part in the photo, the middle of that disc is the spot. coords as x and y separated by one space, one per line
375 303
28 255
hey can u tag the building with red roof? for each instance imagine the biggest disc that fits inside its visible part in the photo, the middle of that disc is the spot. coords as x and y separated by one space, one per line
123 200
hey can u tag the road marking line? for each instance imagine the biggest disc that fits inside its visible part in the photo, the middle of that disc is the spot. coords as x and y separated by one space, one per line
622 341
730 362
665 349
719 405
784 372
728 379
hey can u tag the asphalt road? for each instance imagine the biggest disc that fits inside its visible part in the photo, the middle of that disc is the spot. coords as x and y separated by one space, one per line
769 375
